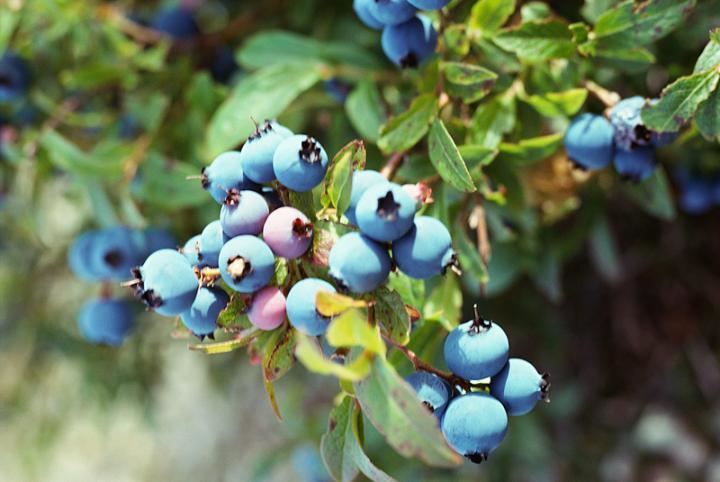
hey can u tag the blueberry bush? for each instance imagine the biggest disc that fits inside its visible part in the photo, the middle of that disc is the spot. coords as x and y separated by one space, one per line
356 191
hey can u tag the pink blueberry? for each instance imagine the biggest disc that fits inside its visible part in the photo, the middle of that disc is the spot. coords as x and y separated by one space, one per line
288 232
267 308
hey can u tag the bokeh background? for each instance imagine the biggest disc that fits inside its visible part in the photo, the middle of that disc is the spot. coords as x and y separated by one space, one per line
628 328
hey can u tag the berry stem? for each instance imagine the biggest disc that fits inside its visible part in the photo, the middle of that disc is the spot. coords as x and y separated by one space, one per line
392 165
479 323
607 97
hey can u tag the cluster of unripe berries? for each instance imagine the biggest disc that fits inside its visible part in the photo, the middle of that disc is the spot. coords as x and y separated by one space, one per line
408 39
594 141
473 405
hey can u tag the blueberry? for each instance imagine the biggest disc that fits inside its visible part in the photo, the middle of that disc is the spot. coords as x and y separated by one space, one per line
166 282
697 194
630 132
302 309
337 89
223 66
636 165
426 250
288 232
410 43
191 250
361 182
358 263
589 141
106 321
474 425
385 212
115 251
476 349
154 239
211 242
224 174
300 163
201 318
267 308
391 12
14 76
257 153
176 22
519 386
432 391
81 261
428 4
244 212
246 264
363 11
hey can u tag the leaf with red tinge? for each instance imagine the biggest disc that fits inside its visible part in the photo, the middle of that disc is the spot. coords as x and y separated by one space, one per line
270 390
279 355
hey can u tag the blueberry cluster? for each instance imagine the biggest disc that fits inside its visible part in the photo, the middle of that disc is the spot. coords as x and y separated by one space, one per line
699 191
108 255
15 79
473 412
593 141
408 39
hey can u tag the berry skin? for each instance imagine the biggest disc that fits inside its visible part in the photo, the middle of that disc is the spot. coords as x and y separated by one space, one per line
385 212
175 22
391 12
154 239
288 232
476 350
191 250
358 263
257 153
302 309
14 76
363 11
114 252
697 193
300 163
79 259
166 282
636 165
410 43
223 66
426 250
519 386
244 212
105 321
201 318
267 308
212 240
630 132
246 264
428 4
226 173
361 182
432 391
474 425
589 142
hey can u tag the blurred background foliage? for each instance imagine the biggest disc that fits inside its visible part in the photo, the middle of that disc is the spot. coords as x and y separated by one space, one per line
598 282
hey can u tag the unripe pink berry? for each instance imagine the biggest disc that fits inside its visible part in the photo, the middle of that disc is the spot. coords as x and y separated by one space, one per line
267 308
420 192
288 232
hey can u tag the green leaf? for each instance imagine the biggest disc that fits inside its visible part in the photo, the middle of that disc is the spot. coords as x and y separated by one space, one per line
364 109
331 304
710 56
305 202
67 156
488 16
604 251
338 181
405 130
679 101
234 314
444 303
9 18
469 257
261 95
353 329
469 82
446 158
551 104
546 276
390 312
645 22
708 117
503 268
538 40
477 156
394 409
492 120
530 151
411 290
309 353
279 352
165 184
653 195
226 346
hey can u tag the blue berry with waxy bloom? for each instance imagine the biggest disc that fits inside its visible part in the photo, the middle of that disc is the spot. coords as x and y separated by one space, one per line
106 321
476 349
191 250
153 239
166 282
244 212
519 386
223 66
246 264
201 318
630 131
176 22
474 424
410 43
226 173
363 11
14 76
432 391
257 153
589 142
301 306
697 192
361 182
80 257
636 165
428 4
391 12
385 212
426 250
211 242
300 163
115 251
358 263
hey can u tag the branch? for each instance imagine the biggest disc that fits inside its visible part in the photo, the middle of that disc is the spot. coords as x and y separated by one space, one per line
393 164
607 97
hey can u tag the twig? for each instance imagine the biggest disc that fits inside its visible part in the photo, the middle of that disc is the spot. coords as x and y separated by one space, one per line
393 164
481 231
605 96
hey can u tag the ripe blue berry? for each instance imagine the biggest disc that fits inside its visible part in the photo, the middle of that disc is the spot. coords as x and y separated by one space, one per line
589 141
246 264
391 12
223 66
363 11
154 239
302 309
358 263
476 349
257 153
300 163
385 212
432 391
211 240
426 250
361 182
226 173
178 23
244 212
636 165
697 192
191 250
166 282
14 76
288 232
428 4
630 132
114 252
201 318
80 261
106 321
519 386
474 425
410 43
